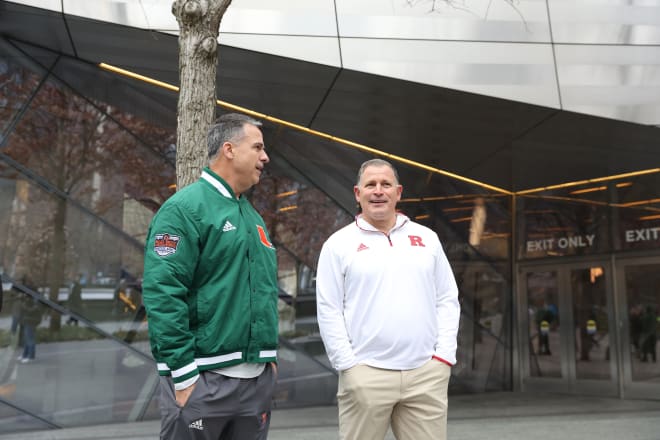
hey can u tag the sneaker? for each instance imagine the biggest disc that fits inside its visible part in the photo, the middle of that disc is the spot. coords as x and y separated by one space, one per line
19 358
26 360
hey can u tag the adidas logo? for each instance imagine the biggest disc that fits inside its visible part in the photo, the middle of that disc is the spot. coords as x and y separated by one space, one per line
228 227
197 424
362 247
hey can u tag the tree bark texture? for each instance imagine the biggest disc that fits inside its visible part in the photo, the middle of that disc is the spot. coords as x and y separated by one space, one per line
199 25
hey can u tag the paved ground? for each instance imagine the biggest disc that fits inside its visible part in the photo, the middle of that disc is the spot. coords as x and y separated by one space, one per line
501 416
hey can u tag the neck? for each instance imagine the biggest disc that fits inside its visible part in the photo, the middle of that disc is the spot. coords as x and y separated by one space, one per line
384 225
227 175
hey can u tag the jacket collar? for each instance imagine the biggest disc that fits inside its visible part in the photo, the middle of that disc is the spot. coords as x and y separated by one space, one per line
363 224
218 183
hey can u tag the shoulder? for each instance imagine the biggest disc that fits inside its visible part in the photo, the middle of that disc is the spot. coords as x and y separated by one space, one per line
341 235
185 202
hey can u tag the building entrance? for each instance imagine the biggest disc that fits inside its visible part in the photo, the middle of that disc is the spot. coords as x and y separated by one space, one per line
567 327
639 281
591 327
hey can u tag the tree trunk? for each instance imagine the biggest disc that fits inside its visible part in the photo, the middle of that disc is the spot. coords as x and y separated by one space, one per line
199 25
57 260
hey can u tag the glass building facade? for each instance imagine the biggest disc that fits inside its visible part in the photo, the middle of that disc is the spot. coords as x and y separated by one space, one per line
559 276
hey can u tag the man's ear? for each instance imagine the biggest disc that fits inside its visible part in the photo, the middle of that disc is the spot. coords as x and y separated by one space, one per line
356 191
228 150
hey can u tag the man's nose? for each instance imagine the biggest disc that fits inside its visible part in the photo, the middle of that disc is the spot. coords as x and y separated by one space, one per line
264 158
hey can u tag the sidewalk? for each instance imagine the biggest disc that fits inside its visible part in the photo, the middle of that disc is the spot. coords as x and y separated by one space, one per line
501 416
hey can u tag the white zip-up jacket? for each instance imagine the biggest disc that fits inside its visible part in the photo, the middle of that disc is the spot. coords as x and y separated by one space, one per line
386 300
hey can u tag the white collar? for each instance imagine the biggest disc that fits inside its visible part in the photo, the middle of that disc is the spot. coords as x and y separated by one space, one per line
362 223
217 184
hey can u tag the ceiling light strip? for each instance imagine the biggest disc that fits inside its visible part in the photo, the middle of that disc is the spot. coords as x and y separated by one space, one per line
298 127
583 182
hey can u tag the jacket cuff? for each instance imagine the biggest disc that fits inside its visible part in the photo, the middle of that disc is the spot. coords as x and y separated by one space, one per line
187 374
178 386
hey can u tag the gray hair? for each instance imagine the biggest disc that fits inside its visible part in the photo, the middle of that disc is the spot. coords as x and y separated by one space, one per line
376 163
227 128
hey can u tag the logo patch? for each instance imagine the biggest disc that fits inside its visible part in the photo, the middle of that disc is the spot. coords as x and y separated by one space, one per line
362 247
228 227
416 241
197 424
165 244
264 238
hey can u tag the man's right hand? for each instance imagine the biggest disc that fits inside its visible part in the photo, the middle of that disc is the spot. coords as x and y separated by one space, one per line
183 395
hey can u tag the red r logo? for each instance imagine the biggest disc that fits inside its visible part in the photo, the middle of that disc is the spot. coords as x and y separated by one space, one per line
416 241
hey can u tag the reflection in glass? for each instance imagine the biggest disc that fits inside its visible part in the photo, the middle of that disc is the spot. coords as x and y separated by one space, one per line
543 324
94 272
88 155
17 85
592 335
643 299
638 214
76 375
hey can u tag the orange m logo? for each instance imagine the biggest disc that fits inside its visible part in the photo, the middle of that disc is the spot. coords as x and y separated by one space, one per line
264 238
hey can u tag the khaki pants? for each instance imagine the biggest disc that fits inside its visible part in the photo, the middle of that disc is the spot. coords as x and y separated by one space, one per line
414 401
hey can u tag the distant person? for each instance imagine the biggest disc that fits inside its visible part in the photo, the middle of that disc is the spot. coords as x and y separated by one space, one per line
545 317
30 317
388 312
649 334
210 289
74 303
120 298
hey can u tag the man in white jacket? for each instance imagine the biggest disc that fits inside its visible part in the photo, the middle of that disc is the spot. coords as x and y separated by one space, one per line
388 312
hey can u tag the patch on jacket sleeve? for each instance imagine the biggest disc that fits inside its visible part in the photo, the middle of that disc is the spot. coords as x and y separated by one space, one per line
165 244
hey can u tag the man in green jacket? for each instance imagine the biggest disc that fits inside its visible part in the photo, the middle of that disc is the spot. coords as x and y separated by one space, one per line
210 290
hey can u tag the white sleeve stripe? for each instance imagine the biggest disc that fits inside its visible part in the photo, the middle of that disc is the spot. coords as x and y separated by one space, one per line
184 370
219 359
186 383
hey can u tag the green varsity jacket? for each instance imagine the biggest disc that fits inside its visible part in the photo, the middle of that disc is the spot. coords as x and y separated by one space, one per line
210 282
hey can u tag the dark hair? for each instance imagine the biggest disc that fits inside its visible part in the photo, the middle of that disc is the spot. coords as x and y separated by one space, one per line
376 163
227 128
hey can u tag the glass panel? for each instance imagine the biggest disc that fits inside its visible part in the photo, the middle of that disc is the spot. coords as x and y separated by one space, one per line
589 290
616 82
17 84
643 298
612 22
94 271
480 20
562 223
322 50
638 208
303 380
544 324
13 420
68 375
484 330
78 150
519 72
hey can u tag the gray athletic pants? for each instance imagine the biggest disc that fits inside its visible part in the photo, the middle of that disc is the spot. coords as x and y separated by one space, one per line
219 408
